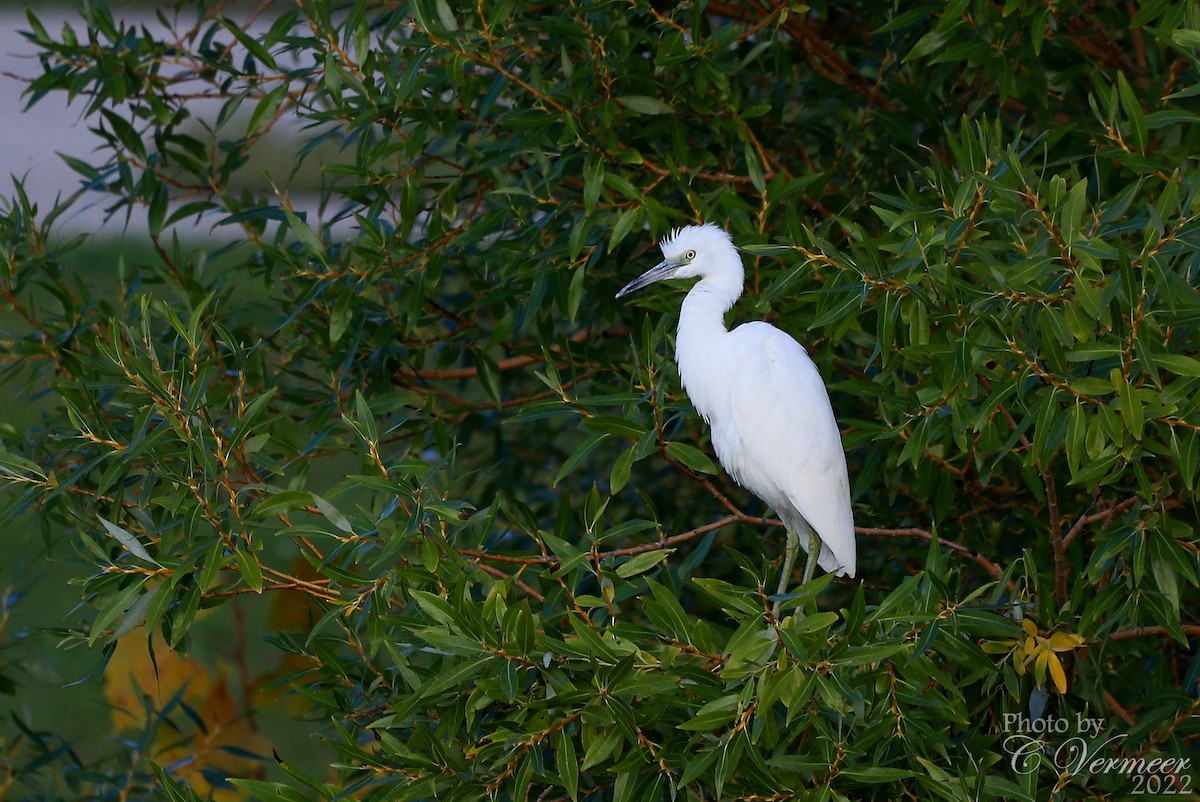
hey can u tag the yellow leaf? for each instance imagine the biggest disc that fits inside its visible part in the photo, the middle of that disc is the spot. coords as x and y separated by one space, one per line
997 646
1056 672
205 689
1062 642
1029 627
1039 666
1031 647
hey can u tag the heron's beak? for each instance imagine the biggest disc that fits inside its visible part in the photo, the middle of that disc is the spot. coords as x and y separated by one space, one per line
663 270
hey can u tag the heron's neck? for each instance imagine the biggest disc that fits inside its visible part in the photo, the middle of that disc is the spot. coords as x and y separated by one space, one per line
704 308
698 345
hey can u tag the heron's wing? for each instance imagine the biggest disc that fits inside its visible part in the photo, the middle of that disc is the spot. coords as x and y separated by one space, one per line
788 431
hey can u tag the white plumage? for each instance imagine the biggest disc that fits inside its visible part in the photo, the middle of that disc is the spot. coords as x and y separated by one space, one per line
772 424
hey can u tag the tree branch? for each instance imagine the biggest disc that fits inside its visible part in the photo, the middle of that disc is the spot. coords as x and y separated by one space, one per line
1192 630
915 532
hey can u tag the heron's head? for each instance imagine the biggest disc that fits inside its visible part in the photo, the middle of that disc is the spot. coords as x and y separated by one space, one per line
703 251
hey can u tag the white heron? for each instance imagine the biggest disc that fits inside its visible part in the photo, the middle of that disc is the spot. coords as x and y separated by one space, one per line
772 425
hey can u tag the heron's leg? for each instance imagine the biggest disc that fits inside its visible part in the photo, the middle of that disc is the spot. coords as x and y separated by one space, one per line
814 549
810 565
789 559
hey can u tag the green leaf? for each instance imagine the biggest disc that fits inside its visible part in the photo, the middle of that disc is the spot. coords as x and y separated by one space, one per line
1073 209
333 516
593 182
488 373
714 715
173 790
578 456
265 111
591 642
435 607
282 502
250 569
600 748
621 427
1186 38
643 104
931 42
1131 407
185 613
697 765
865 655
1179 364
20 468
136 613
625 223
575 291
640 563
729 597
445 15
126 539
269 791
249 42
692 457
754 169
566 762
115 606
1167 580
878 774
1076 435
811 623
253 412
306 236
1133 110
339 319
621 470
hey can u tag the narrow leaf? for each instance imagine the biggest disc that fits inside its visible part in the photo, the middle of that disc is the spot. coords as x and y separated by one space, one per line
643 104
640 563
250 569
131 543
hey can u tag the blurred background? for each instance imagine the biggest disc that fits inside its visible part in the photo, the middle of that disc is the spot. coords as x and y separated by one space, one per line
50 681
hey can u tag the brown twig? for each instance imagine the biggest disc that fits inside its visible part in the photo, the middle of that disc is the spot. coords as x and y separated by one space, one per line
914 532
1106 515
511 363
662 543
1056 537
1118 709
496 572
1191 630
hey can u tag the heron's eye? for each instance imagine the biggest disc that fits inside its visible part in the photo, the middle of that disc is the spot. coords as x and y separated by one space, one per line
689 256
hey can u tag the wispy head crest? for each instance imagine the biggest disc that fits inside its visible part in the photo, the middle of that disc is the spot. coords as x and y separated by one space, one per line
670 237
694 236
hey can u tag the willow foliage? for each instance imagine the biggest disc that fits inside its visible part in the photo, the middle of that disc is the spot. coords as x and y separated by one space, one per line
389 387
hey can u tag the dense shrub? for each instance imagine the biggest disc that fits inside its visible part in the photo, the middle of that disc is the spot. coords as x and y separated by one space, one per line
400 399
